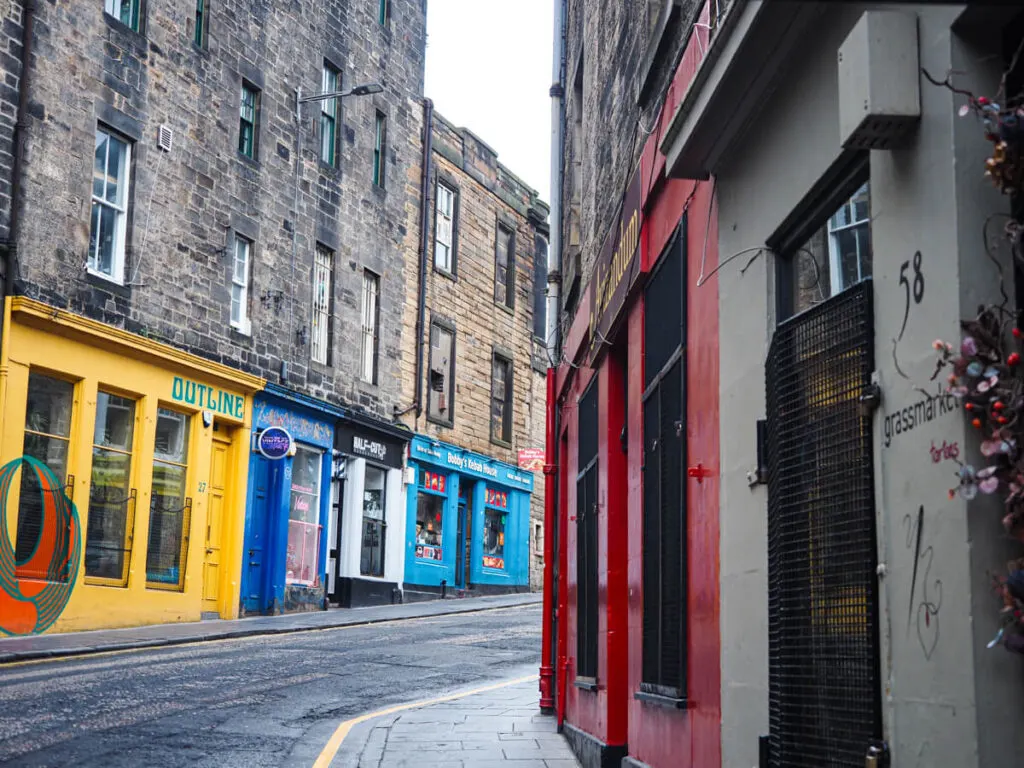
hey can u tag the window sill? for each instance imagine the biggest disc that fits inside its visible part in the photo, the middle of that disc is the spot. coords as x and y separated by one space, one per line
98 581
105 278
243 328
136 36
670 702
586 683
502 443
252 162
441 423
445 273
380 191
161 587
506 308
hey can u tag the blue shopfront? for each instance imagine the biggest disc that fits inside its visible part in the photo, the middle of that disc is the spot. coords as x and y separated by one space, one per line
288 500
468 521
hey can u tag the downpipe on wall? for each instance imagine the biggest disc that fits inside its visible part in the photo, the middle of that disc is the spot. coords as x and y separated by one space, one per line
552 625
28 12
428 140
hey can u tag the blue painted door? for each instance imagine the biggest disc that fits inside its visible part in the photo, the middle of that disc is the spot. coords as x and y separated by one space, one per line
258 594
461 560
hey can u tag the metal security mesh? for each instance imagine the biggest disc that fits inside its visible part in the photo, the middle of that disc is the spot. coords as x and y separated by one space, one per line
824 705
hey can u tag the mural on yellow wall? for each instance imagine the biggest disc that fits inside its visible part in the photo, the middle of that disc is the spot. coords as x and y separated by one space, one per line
35 588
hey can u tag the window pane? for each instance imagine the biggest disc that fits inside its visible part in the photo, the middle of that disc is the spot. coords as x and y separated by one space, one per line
48 408
241 262
171 436
117 159
494 538
429 521
304 517
102 239
168 514
327 139
99 173
305 504
371 560
109 503
373 493
302 555
115 421
236 304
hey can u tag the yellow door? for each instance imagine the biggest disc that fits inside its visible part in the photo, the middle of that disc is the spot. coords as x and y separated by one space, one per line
215 520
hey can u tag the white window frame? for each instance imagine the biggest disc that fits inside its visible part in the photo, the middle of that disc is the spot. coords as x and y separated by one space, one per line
835 267
370 332
444 228
242 323
330 81
323 288
119 206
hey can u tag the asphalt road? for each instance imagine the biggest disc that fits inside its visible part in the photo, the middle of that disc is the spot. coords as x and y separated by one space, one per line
262 701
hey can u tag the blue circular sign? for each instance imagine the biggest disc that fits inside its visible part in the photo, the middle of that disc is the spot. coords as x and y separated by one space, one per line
274 442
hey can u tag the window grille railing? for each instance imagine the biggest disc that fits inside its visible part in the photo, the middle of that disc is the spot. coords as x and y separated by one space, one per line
110 533
167 555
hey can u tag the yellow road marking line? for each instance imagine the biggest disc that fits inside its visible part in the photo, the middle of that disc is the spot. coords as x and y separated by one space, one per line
262 636
334 744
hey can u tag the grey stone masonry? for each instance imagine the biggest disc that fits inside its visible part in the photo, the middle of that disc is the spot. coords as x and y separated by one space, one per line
10 65
620 57
187 205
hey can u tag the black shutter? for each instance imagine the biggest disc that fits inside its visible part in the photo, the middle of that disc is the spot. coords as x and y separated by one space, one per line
664 477
586 537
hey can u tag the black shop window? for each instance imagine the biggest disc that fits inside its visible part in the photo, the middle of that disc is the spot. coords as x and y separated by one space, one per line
664 490
586 537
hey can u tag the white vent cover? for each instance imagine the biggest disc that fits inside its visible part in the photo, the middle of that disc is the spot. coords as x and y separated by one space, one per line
879 81
165 138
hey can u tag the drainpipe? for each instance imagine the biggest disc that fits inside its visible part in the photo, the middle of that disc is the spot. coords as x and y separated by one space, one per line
428 140
28 13
553 626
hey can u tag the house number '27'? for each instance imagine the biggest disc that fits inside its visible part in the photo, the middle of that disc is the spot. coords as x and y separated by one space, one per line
918 287
202 486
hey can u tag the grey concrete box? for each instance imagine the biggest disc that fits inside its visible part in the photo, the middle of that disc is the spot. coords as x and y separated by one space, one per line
879 81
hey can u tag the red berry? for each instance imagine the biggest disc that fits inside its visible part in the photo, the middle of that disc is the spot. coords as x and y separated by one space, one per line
977 423
982 100
999 405
1013 359
1002 419
969 406
1017 333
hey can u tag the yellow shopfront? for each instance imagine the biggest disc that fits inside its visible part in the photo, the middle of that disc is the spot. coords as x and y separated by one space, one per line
152 445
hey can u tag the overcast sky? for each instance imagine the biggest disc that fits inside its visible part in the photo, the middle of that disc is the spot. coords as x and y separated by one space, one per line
489 70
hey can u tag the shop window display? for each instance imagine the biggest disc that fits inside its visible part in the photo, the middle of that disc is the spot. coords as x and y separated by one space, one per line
372 558
495 516
430 517
304 515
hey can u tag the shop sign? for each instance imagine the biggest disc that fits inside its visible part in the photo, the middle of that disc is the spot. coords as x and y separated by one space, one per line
376 448
274 442
531 459
616 270
206 397
494 562
428 553
446 456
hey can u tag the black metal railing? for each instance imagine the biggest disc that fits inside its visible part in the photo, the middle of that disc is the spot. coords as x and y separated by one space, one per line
109 534
167 550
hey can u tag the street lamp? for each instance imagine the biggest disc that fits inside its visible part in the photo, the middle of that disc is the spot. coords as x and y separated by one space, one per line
366 89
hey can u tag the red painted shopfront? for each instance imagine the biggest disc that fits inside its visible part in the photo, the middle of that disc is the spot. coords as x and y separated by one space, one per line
605 703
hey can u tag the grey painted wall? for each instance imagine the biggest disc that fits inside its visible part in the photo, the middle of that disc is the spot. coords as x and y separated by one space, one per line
947 699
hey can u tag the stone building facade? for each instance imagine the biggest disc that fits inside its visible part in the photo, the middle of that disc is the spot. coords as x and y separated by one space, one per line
473 317
185 207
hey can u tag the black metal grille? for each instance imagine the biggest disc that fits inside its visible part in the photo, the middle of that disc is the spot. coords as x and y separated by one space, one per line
664 519
824 705
586 537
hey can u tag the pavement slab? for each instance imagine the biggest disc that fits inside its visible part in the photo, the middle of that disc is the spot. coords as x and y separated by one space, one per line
499 728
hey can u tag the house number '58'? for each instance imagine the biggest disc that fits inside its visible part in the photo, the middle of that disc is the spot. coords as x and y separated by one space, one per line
202 487
918 286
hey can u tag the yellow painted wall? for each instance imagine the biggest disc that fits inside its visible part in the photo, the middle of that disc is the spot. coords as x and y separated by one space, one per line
94 356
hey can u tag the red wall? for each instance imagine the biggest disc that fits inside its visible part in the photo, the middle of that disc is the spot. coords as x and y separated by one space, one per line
658 736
